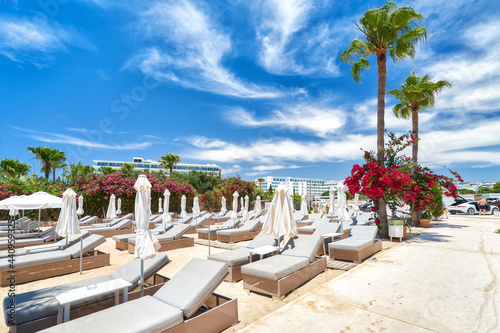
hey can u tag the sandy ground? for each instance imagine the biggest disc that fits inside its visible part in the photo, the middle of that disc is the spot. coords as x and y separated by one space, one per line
251 306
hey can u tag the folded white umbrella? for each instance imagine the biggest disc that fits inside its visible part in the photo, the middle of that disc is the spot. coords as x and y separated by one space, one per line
355 207
166 206
303 206
279 219
80 211
67 224
183 206
196 206
160 208
331 210
146 243
258 205
223 209
119 206
344 216
242 205
247 204
111 213
234 214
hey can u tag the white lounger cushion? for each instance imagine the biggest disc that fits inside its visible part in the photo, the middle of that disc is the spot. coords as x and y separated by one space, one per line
35 259
89 243
368 232
189 287
143 315
276 267
233 258
248 226
327 228
303 246
350 244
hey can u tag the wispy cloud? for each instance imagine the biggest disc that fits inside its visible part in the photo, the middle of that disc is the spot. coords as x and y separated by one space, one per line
290 44
317 119
232 169
36 39
86 131
75 141
274 167
189 48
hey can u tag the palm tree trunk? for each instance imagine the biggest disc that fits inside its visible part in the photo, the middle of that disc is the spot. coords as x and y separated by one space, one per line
414 120
47 170
53 174
382 80
170 168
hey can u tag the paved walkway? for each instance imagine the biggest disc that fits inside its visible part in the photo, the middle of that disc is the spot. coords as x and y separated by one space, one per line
445 280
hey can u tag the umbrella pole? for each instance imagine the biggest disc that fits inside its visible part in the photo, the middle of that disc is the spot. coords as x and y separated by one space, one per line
209 236
142 277
81 250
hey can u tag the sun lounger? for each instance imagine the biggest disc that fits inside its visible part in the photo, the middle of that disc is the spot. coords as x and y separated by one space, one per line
315 216
327 229
37 310
247 231
122 240
120 228
235 259
25 227
170 240
87 220
299 216
280 274
6 223
48 264
109 223
309 229
363 218
195 223
203 233
359 246
186 303
47 246
29 239
16 225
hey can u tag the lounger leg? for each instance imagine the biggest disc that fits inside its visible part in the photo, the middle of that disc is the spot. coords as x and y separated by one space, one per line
66 313
117 297
60 311
125 295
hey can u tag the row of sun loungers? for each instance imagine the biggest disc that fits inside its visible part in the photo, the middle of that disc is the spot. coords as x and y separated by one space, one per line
24 240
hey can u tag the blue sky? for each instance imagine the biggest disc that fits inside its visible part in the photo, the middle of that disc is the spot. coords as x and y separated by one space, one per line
254 86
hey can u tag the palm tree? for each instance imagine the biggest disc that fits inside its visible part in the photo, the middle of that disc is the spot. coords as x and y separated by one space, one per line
387 29
260 181
13 168
169 161
416 94
50 159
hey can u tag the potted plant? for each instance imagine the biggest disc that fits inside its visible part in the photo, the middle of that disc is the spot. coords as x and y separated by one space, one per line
397 222
425 219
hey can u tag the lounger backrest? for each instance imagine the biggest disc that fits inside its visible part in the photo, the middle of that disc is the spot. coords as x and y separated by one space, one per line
298 216
191 286
89 243
122 224
250 225
177 230
261 240
131 271
304 246
186 219
362 218
326 228
230 223
314 216
47 231
74 239
320 221
365 232
83 219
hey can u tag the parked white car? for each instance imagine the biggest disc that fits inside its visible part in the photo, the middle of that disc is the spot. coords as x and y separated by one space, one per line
469 207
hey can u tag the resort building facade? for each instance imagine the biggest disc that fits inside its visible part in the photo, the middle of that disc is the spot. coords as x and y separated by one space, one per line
302 186
142 164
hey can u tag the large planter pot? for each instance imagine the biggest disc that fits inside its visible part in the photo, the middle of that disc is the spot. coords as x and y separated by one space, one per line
397 229
425 223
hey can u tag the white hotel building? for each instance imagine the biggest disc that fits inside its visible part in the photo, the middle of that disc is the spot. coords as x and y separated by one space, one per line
142 164
302 186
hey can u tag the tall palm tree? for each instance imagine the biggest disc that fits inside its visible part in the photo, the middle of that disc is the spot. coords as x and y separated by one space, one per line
387 29
13 168
58 159
260 181
415 95
49 158
169 161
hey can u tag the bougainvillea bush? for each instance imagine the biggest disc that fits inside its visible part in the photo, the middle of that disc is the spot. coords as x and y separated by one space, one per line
225 187
393 180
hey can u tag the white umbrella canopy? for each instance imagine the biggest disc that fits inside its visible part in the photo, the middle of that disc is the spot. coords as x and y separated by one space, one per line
247 204
111 213
258 205
234 214
38 200
331 210
146 243
118 206
303 206
279 218
344 217
196 206
79 211
183 206
160 208
67 224
242 205
223 209
166 206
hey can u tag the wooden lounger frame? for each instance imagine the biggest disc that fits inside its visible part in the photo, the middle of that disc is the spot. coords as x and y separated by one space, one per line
278 288
154 282
169 245
234 274
204 235
231 239
305 232
356 256
92 259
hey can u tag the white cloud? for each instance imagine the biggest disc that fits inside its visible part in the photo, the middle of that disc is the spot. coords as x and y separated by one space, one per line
274 167
231 169
317 119
34 40
289 46
189 50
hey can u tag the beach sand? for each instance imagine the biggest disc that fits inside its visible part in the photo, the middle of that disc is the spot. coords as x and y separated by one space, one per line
251 306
